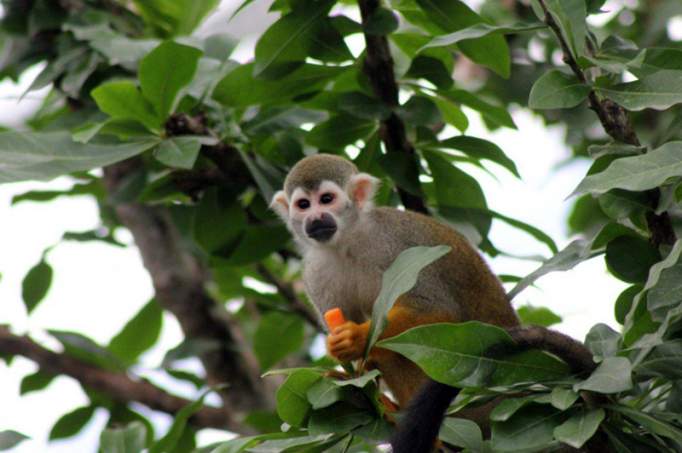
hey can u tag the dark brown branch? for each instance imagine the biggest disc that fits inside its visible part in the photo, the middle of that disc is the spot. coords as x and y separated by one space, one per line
616 122
179 281
288 293
118 386
378 66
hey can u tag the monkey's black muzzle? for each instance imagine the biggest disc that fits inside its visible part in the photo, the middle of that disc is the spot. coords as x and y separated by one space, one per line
321 229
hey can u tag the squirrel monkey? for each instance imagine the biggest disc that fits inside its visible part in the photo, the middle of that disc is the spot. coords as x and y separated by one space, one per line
347 244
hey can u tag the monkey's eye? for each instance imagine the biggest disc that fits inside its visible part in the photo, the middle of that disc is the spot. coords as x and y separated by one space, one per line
327 198
303 204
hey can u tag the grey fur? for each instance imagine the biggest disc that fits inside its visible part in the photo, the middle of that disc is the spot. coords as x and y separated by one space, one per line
309 172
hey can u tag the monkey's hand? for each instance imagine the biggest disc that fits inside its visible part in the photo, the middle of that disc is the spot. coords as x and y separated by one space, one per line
347 341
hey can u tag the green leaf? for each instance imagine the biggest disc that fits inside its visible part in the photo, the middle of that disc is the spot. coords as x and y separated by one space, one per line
575 253
492 114
362 106
508 407
286 43
83 348
72 423
570 16
292 403
612 376
339 131
479 148
278 335
454 15
563 398
117 48
36 381
398 279
164 72
650 422
603 341
382 21
655 273
360 381
629 258
129 439
531 429
324 393
665 292
538 316
579 428
181 375
175 17
178 152
556 90
44 156
461 432
240 89
624 302
419 111
9 439
452 114
480 30
312 444
258 242
190 348
123 100
530 229
454 354
168 442
659 91
139 334
339 418
35 285
218 222
664 361
453 186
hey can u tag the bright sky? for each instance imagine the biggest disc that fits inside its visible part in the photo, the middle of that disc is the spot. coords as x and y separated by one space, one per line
97 287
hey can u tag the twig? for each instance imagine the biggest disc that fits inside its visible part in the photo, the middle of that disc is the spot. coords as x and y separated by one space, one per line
616 122
118 386
378 65
288 293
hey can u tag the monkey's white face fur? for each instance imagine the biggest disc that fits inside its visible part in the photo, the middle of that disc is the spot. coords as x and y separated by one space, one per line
320 217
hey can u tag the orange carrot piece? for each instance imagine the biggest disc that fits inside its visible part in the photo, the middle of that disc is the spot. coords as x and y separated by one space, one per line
334 318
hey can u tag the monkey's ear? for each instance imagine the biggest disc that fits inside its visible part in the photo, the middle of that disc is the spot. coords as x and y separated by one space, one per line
280 205
363 186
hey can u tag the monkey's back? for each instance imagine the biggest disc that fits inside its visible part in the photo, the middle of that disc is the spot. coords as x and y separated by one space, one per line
460 283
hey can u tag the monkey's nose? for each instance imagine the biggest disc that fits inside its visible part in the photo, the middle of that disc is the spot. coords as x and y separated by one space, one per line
321 229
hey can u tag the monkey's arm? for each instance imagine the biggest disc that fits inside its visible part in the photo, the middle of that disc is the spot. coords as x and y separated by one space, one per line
348 341
404 378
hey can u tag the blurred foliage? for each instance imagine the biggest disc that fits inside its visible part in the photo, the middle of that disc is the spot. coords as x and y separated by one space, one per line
212 138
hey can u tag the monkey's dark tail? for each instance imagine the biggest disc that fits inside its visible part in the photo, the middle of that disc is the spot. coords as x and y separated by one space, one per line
418 430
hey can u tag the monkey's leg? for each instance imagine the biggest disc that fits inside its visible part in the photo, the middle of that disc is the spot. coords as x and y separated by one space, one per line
402 376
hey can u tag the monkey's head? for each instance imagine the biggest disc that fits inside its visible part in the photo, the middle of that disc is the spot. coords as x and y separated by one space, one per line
323 196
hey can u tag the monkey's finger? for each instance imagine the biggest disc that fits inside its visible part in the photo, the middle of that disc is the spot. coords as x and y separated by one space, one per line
346 335
341 346
346 326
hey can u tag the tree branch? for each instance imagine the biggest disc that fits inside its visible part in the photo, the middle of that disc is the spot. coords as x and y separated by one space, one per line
378 65
118 386
179 281
616 122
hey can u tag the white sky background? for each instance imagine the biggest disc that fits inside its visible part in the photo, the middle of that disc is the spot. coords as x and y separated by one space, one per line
97 288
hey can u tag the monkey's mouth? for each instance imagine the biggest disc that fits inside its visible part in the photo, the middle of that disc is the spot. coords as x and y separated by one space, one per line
321 229
322 233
